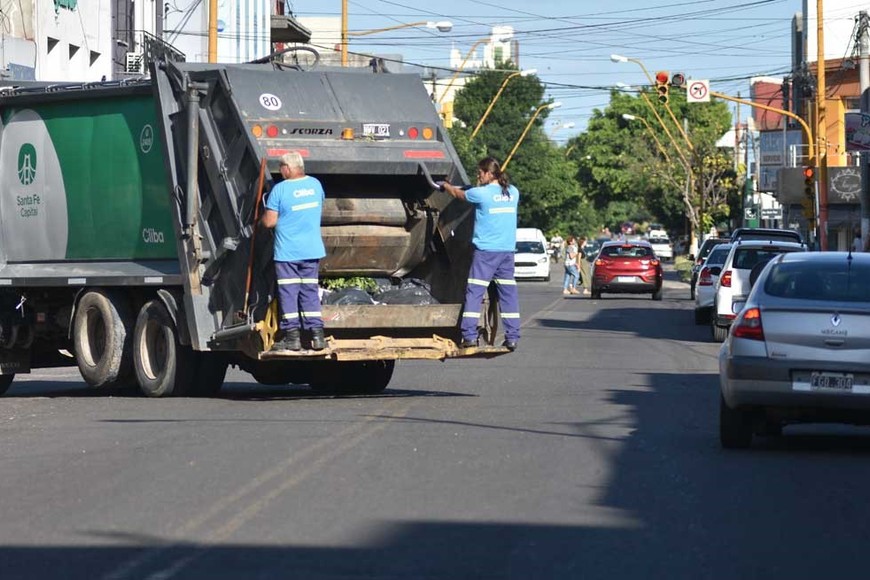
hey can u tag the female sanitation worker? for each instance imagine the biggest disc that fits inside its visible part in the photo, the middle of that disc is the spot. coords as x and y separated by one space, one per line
494 241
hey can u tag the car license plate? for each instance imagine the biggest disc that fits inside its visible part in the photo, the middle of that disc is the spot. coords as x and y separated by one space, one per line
821 381
627 279
376 130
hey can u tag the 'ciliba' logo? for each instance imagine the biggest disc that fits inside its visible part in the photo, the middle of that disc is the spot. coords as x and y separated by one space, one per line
27 164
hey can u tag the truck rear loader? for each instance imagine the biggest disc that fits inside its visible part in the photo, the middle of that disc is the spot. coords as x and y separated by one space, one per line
130 244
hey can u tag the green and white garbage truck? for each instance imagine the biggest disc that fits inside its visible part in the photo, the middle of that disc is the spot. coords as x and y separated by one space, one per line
129 244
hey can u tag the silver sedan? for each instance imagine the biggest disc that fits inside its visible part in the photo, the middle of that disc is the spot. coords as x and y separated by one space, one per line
799 350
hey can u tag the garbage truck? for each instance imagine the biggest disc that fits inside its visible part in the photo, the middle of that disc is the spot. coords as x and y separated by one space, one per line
129 237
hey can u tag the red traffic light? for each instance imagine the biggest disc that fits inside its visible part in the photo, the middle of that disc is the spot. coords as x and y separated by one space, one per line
809 173
662 77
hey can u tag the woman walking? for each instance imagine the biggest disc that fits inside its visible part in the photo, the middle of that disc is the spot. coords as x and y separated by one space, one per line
583 266
568 286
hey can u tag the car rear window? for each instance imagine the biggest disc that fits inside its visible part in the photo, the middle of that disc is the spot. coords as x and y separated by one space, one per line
627 252
718 256
659 241
708 246
827 282
530 248
747 258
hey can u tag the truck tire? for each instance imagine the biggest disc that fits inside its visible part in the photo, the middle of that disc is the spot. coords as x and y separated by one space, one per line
210 374
275 373
355 378
102 328
5 383
164 367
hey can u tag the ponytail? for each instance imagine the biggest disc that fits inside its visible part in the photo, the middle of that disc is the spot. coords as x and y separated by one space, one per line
490 165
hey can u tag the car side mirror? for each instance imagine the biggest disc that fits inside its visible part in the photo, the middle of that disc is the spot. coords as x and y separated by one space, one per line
715 270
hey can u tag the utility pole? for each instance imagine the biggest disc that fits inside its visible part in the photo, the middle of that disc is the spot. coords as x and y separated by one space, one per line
737 136
822 128
864 69
212 30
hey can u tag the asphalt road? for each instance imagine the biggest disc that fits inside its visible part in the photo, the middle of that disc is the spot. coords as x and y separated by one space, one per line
591 452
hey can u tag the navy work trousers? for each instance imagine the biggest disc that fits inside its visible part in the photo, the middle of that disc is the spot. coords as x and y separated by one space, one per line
487 267
298 294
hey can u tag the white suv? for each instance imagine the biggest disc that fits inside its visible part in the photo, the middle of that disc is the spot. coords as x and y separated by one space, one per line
661 244
733 286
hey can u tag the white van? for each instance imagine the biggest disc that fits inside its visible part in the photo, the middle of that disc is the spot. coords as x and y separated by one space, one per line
532 260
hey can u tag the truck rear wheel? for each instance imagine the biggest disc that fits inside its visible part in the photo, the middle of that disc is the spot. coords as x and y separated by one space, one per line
164 367
354 378
5 383
101 339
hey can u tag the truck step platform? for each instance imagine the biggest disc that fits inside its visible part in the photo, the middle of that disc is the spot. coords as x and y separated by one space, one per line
387 348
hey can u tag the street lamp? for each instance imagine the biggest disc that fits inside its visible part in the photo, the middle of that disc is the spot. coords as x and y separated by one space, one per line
568 125
620 58
537 112
519 73
462 66
628 117
442 26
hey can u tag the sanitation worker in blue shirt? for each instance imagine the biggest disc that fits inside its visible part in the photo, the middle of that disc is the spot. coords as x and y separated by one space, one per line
293 209
494 241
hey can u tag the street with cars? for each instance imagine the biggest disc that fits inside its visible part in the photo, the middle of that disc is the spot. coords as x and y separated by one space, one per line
593 451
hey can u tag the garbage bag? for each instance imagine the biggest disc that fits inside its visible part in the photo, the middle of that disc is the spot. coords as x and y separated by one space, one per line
347 296
411 291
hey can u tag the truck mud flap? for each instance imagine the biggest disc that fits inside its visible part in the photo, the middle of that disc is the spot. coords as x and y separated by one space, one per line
388 348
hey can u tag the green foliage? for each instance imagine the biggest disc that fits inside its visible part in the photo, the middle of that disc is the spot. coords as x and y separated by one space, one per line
367 284
550 196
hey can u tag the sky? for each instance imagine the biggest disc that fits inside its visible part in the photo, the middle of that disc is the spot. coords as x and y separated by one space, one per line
570 42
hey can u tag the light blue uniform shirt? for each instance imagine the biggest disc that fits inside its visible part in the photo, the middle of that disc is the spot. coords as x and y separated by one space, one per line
495 218
299 203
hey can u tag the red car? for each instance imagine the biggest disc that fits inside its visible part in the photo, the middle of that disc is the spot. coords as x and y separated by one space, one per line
627 267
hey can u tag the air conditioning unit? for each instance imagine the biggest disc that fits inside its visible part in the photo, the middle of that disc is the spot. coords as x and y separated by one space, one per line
134 63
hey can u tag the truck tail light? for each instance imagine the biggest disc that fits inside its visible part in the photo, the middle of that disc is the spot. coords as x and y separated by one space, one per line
257 131
271 131
428 133
413 133
725 280
748 325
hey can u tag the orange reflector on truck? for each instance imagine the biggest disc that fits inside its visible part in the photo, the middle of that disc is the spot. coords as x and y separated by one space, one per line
347 134
428 133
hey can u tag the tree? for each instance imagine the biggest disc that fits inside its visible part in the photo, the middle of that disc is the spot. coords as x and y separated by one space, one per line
551 199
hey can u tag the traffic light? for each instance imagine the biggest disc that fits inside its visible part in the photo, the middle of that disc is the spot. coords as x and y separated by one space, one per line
809 200
662 81
678 80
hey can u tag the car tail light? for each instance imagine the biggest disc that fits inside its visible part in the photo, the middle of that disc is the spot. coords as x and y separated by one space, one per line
600 262
725 280
653 262
748 325
705 278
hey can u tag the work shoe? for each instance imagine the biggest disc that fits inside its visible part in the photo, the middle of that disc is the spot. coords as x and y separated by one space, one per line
509 344
468 343
318 342
289 341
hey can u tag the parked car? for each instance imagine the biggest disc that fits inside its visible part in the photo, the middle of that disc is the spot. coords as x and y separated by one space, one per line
800 349
532 260
707 278
627 267
698 261
776 235
661 245
733 286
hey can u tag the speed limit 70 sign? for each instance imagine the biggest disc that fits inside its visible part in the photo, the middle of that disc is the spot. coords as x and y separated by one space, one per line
698 91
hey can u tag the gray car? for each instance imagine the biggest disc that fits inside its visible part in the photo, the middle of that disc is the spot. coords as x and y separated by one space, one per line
799 350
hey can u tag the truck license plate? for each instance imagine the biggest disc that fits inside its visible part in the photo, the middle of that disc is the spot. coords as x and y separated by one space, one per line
376 129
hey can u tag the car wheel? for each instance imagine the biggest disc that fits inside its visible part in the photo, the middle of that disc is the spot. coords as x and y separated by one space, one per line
702 316
720 333
735 426
657 295
5 383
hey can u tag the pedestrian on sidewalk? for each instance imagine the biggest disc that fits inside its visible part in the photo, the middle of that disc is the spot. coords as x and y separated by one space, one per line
583 266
